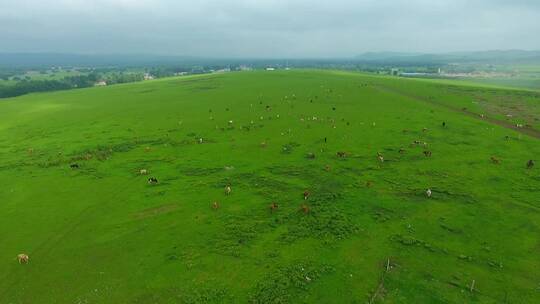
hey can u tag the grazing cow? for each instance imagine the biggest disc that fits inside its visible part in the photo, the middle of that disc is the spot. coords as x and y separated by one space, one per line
228 190
369 184
428 193
215 205
263 144
304 208
530 164
147 149
325 140
327 168
401 151
380 157
273 207
306 195
74 166
23 258
427 153
444 124
495 160
424 130
143 172
200 140
152 180
341 154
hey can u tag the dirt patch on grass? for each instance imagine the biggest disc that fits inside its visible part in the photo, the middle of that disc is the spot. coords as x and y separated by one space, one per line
155 211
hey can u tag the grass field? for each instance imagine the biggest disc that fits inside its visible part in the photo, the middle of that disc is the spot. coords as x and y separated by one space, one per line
102 234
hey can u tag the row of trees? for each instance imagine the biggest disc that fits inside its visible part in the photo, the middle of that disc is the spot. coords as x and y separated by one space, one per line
90 76
27 85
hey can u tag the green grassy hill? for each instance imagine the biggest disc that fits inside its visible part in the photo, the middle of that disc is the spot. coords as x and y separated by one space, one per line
101 234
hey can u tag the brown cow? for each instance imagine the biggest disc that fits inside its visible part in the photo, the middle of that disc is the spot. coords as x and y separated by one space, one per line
273 207
215 205
495 160
341 154
530 164
304 208
306 195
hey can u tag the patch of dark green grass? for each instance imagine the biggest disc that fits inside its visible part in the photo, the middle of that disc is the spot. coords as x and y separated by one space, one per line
286 284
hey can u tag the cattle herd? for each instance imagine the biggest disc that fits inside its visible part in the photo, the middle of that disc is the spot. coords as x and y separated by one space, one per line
23 258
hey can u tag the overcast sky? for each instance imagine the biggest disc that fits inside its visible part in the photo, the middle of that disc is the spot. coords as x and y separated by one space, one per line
267 28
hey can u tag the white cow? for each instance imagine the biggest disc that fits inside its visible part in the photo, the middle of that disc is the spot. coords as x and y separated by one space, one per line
23 258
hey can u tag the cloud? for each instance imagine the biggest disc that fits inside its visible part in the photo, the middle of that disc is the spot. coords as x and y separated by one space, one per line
266 28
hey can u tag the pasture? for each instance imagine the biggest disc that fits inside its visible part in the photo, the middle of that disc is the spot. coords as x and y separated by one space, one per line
367 232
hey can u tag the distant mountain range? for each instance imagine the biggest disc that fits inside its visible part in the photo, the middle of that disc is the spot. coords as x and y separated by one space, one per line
58 59
371 58
492 57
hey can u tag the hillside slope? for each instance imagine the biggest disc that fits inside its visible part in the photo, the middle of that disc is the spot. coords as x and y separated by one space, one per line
367 233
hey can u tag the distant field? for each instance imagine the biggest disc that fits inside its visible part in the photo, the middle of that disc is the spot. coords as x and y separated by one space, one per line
530 82
367 233
519 77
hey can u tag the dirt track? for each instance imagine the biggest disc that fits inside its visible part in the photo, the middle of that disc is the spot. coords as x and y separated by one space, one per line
524 130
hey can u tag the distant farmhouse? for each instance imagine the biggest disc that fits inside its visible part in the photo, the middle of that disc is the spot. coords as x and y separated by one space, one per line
148 76
270 69
100 83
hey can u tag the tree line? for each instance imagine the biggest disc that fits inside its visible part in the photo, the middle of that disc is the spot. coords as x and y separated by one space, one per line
24 86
